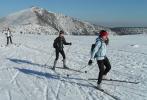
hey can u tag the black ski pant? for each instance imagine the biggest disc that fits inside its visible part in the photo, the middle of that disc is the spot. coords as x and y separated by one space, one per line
61 52
9 39
104 68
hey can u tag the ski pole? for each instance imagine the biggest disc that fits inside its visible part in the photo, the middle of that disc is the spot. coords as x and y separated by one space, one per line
49 58
68 50
80 70
86 71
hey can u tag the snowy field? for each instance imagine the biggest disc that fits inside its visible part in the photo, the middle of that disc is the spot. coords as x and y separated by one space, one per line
25 72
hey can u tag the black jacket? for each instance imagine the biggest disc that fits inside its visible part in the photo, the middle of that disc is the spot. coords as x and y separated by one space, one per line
59 42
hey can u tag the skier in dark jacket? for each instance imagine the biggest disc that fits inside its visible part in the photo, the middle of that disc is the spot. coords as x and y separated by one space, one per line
58 45
99 52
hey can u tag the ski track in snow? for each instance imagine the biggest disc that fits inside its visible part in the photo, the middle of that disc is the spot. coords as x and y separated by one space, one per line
46 93
14 80
14 77
24 76
9 95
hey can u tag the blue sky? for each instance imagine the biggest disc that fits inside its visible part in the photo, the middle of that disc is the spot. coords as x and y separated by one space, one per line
103 12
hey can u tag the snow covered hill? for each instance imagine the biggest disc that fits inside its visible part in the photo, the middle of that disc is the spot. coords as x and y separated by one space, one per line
24 76
129 30
40 21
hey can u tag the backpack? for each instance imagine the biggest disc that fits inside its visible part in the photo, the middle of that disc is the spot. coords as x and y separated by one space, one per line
93 46
55 44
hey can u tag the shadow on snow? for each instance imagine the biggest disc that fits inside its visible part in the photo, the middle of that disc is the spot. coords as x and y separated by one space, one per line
46 75
55 77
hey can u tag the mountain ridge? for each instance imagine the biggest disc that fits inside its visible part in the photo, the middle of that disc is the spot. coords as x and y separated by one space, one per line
38 20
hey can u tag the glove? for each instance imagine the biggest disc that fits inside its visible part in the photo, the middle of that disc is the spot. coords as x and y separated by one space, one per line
90 62
70 43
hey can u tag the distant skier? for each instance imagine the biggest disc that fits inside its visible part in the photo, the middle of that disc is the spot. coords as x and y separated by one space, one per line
8 35
98 51
58 45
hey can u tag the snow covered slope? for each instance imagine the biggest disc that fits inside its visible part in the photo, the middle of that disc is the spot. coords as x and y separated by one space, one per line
23 75
39 20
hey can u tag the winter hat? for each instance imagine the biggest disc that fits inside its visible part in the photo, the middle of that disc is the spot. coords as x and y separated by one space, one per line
61 32
103 33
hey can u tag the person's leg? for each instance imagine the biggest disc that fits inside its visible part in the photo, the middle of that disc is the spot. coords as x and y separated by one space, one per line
107 65
63 54
101 70
57 57
64 58
11 40
7 40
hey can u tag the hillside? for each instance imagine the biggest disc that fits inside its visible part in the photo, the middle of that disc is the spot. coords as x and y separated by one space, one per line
40 21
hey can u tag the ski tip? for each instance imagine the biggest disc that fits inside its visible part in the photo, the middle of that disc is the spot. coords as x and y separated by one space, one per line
136 82
53 69
98 88
67 75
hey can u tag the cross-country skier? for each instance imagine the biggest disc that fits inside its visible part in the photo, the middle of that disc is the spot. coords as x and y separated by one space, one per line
8 35
58 45
98 51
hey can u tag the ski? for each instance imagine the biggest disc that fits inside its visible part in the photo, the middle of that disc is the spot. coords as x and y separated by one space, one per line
70 69
115 80
16 44
3 45
104 91
58 74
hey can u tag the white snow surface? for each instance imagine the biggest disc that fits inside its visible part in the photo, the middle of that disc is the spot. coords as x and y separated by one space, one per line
23 75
